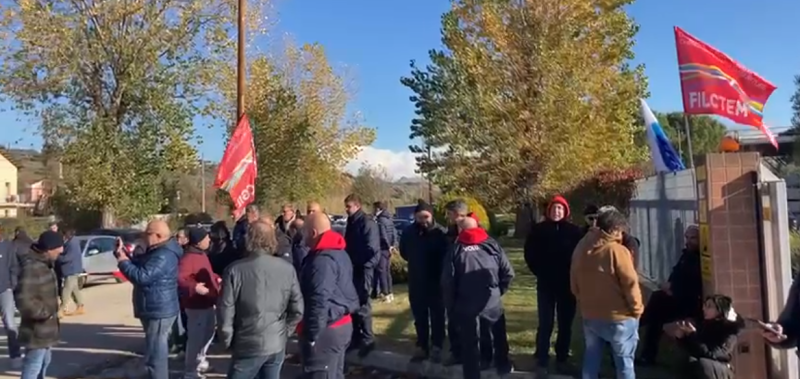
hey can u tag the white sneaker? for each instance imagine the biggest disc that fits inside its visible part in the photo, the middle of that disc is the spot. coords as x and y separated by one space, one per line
16 363
389 298
203 367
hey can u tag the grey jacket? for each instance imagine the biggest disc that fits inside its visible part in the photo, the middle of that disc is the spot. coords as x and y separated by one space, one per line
260 305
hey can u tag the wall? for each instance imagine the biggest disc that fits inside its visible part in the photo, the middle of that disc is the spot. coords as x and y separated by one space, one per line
660 210
8 187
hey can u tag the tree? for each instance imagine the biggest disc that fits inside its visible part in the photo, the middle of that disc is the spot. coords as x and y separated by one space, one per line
372 184
303 134
707 132
114 87
530 98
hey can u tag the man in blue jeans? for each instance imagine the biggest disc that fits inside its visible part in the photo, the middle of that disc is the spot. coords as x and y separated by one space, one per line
606 286
154 275
37 298
9 274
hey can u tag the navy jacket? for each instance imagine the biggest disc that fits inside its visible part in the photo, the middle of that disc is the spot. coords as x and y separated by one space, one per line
9 266
424 248
239 233
476 275
154 276
363 241
326 281
386 231
70 262
299 253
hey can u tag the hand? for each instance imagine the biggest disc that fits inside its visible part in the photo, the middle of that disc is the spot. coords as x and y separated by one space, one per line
201 289
688 328
775 335
121 256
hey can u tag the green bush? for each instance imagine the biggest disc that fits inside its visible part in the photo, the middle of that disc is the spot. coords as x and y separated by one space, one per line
440 213
32 225
500 227
399 269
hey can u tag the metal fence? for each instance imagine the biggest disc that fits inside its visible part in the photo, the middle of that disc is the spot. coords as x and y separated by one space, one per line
661 209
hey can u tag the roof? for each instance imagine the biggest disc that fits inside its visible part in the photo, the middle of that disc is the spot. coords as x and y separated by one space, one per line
10 157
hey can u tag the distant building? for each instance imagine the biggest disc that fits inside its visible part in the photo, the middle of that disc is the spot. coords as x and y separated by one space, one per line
9 196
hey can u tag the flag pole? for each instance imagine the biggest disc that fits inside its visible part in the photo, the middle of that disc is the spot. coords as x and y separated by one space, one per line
688 139
241 67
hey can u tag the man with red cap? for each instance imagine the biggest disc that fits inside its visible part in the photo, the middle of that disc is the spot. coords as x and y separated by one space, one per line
548 254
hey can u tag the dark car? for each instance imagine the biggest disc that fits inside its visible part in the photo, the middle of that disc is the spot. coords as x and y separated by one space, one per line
400 225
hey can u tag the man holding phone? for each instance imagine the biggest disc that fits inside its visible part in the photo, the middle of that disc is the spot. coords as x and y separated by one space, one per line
783 334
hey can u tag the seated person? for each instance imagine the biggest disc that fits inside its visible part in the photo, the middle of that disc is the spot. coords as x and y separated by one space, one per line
711 343
679 298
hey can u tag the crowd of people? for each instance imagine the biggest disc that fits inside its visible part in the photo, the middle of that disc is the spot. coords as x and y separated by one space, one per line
271 279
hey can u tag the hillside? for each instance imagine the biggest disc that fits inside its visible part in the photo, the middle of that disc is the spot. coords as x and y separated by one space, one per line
33 166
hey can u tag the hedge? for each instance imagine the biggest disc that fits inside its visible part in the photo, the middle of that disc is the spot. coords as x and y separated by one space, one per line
399 269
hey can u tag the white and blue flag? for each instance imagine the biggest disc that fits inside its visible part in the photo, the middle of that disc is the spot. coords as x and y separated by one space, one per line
663 155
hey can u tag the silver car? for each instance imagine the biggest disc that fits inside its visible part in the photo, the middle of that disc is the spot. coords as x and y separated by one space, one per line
98 257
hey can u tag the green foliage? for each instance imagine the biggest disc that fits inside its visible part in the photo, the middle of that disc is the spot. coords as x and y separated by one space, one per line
518 104
398 268
303 133
372 184
707 132
32 225
499 226
440 212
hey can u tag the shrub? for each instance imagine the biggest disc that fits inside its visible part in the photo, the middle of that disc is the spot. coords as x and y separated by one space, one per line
794 247
440 213
607 187
499 228
399 269
32 225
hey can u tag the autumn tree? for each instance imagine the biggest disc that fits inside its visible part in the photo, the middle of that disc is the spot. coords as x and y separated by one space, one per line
372 183
530 98
304 135
114 87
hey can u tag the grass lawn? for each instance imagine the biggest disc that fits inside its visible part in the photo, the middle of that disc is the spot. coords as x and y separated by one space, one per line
394 325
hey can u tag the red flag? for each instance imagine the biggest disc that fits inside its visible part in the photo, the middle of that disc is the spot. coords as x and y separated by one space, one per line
237 170
713 83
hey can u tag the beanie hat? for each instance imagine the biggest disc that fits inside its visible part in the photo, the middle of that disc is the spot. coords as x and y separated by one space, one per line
423 206
49 240
195 235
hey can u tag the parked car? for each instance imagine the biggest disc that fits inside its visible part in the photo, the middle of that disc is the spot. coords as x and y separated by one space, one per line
99 262
130 237
400 225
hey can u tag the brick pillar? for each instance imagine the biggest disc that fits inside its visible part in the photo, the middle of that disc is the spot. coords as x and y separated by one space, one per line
729 244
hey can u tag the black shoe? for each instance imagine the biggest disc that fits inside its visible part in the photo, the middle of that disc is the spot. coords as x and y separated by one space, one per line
366 349
565 368
485 365
419 355
452 360
644 362
505 368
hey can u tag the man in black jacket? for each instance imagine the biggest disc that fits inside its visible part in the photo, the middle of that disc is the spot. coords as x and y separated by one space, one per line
9 275
476 275
388 238
423 245
363 247
679 298
456 210
260 306
330 299
548 254
37 300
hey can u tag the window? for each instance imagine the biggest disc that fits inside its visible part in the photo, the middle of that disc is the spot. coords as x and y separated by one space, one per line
101 245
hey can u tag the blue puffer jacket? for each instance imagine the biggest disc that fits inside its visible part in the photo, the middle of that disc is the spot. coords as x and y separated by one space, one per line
70 262
154 276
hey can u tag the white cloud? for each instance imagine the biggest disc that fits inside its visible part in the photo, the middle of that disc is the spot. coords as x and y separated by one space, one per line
397 164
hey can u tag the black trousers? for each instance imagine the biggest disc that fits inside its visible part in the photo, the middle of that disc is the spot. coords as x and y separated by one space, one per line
453 335
470 329
362 318
429 317
494 342
555 306
661 309
705 368
325 360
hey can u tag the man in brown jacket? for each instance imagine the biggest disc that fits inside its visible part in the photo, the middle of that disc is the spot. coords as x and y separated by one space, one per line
606 286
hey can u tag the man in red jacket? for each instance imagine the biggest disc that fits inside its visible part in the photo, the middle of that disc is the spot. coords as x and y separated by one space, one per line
199 288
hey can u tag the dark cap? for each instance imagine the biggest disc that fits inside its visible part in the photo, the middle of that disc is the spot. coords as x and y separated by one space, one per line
591 209
423 206
195 235
50 240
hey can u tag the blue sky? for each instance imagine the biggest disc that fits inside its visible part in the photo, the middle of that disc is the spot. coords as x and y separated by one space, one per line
377 39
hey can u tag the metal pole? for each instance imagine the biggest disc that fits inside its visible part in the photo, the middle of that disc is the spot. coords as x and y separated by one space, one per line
430 183
203 182
242 68
688 140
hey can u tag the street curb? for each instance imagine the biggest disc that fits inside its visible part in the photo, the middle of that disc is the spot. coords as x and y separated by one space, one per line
394 362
